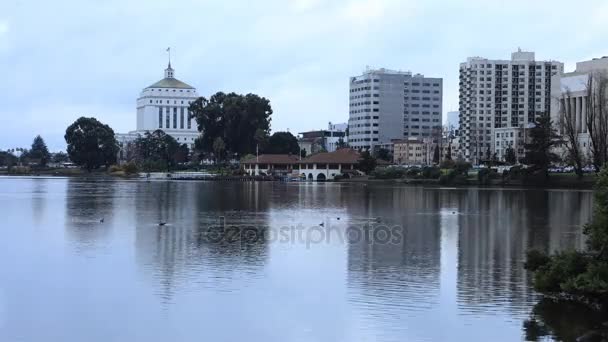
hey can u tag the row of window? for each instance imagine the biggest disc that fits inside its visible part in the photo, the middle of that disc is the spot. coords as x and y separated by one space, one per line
174 90
168 102
167 116
415 98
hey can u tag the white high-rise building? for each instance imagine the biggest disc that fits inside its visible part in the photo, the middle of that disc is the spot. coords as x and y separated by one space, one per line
164 105
499 100
385 105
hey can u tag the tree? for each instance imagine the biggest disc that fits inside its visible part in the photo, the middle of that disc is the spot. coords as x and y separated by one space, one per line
39 152
578 274
597 117
303 153
60 157
367 163
91 143
543 139
7 159
242 121
436 155
219 148
282 143
341 144
182 154
156 151
572 144
510 157
384 154
448 154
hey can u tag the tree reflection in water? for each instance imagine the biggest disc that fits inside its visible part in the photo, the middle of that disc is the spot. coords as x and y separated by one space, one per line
565 321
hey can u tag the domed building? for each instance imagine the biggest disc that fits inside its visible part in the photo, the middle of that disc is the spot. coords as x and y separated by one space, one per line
164 105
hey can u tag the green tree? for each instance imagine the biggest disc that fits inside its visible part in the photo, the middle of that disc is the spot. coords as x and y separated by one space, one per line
8 159
436 155
303 153
60 157
581 274
39 151
384 154
282 143
219 149
341 143
510 157
543 140
91 144
156 150
367 163
242 121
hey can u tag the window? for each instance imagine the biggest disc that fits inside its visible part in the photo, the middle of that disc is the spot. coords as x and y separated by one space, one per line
160 117
168 119
189 121
181 118
174 118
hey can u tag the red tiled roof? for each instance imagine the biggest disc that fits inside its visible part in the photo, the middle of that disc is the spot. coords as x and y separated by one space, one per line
272 159
341 156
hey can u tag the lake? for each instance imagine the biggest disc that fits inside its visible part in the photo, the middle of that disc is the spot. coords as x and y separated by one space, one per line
269 261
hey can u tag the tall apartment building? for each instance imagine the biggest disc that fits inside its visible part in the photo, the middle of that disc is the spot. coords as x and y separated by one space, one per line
386 105
499 100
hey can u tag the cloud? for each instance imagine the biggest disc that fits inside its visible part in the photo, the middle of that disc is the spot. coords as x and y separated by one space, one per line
3 27
298 53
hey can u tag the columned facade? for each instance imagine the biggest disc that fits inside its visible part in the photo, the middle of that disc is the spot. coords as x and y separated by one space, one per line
164 105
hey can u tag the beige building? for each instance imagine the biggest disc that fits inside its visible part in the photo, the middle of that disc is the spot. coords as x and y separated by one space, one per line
569 96
415 151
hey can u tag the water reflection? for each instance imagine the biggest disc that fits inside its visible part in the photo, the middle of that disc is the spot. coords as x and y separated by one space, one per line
456 275
181 252
564 321
496 230
86 204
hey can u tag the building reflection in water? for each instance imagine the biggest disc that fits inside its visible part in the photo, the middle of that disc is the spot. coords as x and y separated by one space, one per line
181 253
496 228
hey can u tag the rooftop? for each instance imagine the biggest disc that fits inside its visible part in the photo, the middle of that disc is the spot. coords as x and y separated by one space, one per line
341 156
170 82
272 159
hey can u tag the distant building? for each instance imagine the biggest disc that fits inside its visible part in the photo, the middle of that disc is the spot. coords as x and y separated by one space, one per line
319 167
324 140
417 151
501 94
164 105
452 121
569 95
326 166
271 164
386 104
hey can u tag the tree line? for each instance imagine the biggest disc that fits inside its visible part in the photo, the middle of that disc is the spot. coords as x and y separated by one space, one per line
231 126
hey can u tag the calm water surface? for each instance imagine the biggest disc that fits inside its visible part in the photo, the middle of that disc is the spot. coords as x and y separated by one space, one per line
456 273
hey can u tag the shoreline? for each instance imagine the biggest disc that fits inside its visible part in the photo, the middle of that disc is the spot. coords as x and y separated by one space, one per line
555 182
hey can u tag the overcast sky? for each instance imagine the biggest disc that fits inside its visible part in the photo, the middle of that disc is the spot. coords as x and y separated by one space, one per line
64 59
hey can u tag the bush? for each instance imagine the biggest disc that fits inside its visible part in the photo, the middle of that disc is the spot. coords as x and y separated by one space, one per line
130 168
582 274
485 175
114 168
413 172
388 173
447 164
462 167
431 172
453 178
